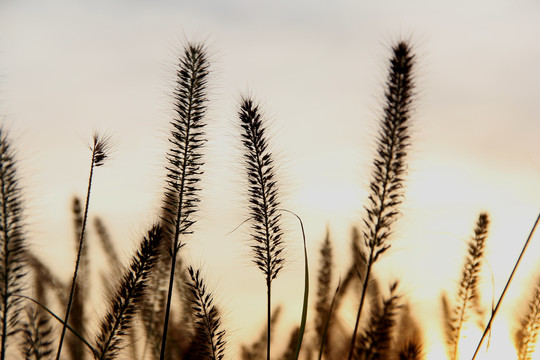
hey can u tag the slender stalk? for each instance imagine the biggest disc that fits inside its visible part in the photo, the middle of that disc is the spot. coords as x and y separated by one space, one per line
488 326
362 300
268 315
99 154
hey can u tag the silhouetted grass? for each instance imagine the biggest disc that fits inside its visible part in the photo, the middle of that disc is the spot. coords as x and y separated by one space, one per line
140 303
468 297
12 247
100 149
185 158
389 165
125 301
267 236
210 339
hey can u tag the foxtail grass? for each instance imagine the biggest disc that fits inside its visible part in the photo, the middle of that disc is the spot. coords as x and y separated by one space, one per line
377 340
124 304
45 279
409 340
37 341
267 236
526 335
257 349
357 266
324 289
468 297
184 158
290 350
100 152
77 316
389 165
211 340
326 328
12 247
107 244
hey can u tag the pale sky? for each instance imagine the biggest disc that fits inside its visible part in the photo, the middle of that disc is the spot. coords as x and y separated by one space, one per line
68 68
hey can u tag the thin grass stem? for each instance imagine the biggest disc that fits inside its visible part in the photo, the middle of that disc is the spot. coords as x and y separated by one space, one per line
100 151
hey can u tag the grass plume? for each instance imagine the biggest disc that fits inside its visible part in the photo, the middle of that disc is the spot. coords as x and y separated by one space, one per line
409 340
129 293
207 320
12 246
389 165
77 315
37 335
468 299
184 157
526 335
100 152
376 342
107 244
324 291
267 236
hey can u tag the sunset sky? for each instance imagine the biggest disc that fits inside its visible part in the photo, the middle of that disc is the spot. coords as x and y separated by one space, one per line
69 68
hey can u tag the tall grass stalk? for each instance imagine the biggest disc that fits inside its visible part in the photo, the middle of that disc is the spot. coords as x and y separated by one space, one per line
12 245
185 158
267 236
494 312
100 149
389 165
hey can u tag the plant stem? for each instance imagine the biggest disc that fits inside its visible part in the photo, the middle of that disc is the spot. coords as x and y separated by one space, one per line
79 252
268 315
362 299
